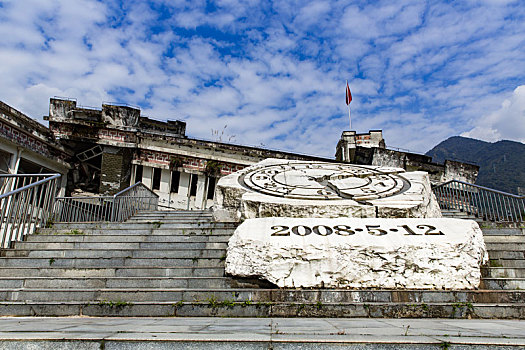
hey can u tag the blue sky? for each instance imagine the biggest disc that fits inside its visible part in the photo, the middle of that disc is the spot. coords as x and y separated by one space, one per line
273 73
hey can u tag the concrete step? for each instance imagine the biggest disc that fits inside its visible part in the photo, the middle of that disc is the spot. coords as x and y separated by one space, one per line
207 215
505 231
122 238
262 295
190 231
115 271
506 254
118 245
85 283
164 221
504 238
503 272
174 212
513 246
506 262
92 253
459 215
503 283
141 226
108 262
247 308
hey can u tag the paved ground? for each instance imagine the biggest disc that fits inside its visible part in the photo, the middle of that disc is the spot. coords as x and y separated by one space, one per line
261 333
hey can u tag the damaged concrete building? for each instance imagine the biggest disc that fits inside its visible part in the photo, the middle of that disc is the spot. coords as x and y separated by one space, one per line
104 150
115 146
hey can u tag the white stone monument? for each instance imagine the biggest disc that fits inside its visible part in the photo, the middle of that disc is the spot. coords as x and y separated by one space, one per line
359 253
331 225
282 188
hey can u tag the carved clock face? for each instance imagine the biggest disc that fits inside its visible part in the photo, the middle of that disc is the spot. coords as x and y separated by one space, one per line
321 181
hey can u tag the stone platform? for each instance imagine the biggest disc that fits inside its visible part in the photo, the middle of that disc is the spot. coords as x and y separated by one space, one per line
255 333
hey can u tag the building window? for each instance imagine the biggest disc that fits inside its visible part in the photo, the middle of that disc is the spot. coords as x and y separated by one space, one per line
138 173
211 187
193 185
156 178
175 178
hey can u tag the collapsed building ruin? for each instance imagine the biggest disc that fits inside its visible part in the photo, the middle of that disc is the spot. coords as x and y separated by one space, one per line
115 146
104 150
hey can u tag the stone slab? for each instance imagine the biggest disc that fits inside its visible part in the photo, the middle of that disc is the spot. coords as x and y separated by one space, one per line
256 333
359 253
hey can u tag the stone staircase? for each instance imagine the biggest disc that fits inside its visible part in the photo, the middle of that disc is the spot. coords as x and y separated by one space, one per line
506 245
458 214
506 268
172 264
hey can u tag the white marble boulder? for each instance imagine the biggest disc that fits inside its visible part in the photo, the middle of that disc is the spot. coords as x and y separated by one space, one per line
284 188
405 253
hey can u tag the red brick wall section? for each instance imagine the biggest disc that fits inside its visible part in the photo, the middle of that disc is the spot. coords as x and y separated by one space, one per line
116 135
188 162
23 139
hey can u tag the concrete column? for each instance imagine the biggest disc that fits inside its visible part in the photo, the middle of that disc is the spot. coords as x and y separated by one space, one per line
63 184
15 161
165 181
201 187
184 184
133 173
147 176
164 189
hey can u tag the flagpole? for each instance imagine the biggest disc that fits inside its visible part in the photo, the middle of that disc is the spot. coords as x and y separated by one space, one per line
349 117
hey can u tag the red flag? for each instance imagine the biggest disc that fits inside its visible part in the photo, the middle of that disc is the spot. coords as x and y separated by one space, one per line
348 94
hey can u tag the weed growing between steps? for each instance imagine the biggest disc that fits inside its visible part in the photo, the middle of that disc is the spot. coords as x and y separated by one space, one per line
214 303
114 304
156 224
494 263
465 308
444 346
72 232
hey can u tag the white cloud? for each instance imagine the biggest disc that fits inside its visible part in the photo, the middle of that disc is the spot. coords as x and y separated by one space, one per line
274 72
507 123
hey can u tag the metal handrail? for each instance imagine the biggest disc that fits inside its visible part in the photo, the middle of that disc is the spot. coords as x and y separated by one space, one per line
483 202
116 208
26 201
125 204
133 186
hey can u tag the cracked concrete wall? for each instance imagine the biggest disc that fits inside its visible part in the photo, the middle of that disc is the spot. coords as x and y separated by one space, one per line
115 170
120 115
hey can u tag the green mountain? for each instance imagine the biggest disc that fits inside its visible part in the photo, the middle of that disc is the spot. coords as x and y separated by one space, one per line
501 164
